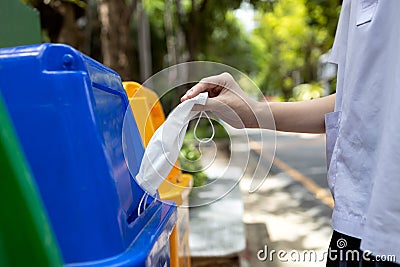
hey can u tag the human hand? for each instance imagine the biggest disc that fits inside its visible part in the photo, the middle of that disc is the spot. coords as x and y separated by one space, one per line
227 101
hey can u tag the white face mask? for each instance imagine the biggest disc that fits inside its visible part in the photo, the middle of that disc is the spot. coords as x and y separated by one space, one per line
163 148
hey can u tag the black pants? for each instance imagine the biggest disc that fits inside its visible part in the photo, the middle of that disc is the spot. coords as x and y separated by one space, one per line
344 251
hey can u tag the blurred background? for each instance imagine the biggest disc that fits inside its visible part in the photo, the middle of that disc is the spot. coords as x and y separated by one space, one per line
280 44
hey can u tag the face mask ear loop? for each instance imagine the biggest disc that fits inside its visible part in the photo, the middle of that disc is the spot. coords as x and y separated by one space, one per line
204 140
145 202
140 203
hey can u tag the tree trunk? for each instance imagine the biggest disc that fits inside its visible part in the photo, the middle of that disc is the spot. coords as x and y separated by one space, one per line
115 17
182 54
194 30
69 32
144 43
169 34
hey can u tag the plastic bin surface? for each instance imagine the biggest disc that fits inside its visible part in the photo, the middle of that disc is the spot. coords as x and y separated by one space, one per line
68 111
24 228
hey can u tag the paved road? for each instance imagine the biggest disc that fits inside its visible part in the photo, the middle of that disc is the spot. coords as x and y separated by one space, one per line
293 203
306 153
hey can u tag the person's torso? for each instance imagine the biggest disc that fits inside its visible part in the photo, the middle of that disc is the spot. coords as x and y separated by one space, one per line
366 50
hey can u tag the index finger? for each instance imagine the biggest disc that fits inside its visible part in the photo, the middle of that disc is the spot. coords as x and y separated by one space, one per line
210 84
194 91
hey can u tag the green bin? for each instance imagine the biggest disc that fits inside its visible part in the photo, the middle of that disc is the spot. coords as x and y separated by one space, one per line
26 238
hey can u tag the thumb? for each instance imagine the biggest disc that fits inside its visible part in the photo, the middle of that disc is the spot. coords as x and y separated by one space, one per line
210 105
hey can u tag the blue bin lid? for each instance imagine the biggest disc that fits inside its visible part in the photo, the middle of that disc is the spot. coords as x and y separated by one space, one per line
69 111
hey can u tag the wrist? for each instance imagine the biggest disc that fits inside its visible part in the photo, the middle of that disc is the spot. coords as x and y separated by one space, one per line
263 112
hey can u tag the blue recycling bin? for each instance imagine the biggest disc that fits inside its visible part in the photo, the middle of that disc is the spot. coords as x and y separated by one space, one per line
68 111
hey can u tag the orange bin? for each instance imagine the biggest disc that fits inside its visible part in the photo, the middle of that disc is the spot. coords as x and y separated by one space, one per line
149 115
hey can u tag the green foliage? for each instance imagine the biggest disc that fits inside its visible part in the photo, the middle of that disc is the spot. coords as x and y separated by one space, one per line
281 53
290 38
190 155
189 161
231 45
211 32
307 91
204 130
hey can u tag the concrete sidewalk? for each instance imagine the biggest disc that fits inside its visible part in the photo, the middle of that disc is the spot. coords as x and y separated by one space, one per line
217 234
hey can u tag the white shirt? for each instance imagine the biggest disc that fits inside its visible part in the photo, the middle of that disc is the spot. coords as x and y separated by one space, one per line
363 134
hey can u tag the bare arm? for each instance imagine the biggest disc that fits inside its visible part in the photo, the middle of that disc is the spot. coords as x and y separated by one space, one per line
229 102
303 116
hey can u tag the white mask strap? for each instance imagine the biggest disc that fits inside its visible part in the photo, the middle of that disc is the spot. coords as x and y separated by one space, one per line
143 200
204 140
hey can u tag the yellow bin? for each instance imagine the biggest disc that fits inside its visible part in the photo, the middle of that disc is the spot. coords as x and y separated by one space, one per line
149 115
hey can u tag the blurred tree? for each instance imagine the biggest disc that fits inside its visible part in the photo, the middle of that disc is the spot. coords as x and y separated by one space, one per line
279 54
307 91
115 17
198 19
62 21
84 24
190 25
232 45
188 30
290 38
